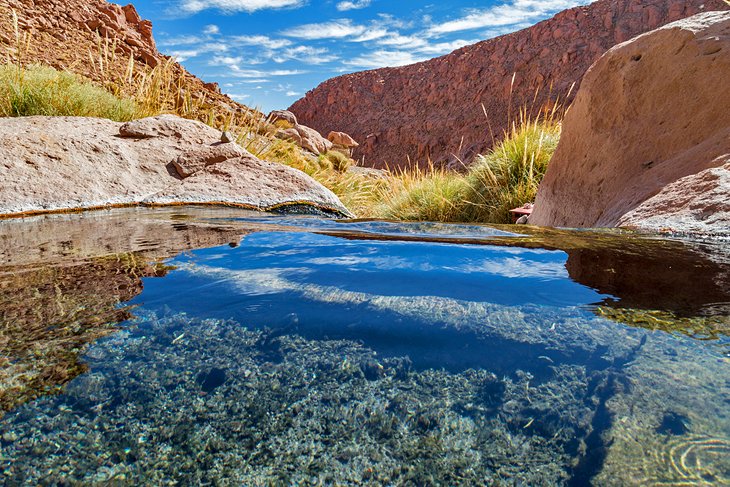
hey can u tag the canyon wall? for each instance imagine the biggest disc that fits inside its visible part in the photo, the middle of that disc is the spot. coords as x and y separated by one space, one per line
433 110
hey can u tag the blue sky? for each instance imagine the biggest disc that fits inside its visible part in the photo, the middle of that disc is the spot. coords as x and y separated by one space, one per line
269 53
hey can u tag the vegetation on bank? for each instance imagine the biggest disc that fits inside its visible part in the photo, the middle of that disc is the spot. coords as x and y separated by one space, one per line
504 178
40 90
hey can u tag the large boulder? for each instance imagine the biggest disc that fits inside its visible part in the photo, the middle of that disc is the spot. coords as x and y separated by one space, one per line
342 139
301 135
646 143
313 140
63 163
283 115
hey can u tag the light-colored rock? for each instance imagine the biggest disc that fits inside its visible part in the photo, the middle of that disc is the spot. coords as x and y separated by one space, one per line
306 138
165 126
291 135
246 181
342 139
699 203
61 163
227 137
192 161
652 117
284 115
312 140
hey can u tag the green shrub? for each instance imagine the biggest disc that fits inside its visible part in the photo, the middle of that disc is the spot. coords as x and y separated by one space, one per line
41 90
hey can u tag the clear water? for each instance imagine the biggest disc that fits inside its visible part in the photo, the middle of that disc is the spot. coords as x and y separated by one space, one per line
221 347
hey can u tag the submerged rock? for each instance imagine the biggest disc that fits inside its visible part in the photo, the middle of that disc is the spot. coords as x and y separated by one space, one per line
64 163
647 142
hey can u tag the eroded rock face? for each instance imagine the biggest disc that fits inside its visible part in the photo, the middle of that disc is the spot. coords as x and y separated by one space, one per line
434 109
647 141
58 163
698 203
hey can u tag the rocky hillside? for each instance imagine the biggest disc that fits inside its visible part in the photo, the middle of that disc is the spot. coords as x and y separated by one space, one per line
434 109
97 39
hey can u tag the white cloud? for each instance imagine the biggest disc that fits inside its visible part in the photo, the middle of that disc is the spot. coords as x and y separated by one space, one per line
185 40
510 13
211 29
305 54
404 42
383 58
371 35
445 47
257 76
353 5
292 93
338 29
195 6
183 55
225 61
334 29
261 41
237 72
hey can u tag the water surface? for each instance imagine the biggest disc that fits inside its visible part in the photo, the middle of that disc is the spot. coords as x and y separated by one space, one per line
219 346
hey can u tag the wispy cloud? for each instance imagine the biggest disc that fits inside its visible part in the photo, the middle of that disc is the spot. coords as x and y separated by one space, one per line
305 54
440 48
211 29
334 29
353 5
506 14
195 6
260 41
383 58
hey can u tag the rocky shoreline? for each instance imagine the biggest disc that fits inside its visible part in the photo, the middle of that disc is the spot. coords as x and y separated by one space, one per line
59 164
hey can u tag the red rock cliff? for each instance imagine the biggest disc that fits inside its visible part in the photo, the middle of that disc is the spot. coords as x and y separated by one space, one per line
433 109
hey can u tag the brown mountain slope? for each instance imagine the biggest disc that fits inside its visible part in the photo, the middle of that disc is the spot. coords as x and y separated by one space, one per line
96 39
433 109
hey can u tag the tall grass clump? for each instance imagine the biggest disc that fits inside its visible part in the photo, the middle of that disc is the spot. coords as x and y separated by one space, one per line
433 194
42 90
508 176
